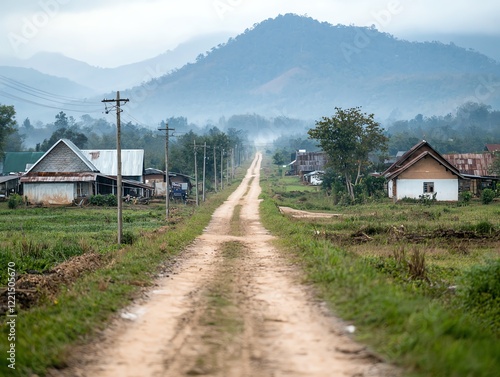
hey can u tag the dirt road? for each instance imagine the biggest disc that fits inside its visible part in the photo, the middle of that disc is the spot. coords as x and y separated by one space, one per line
233 306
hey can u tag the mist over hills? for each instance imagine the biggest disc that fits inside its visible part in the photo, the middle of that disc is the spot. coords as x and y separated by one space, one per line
298 67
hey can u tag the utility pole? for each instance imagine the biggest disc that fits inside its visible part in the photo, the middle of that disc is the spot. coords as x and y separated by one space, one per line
221 168
167 179
204 167
227 171
196 174
215 170
118 102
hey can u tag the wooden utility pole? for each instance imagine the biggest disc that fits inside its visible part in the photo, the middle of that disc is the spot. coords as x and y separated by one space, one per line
221 168
204 167
119 193
196 174
167 178
215 170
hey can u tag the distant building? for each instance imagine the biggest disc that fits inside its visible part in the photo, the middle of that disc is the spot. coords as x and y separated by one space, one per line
307 162
422 171
64 174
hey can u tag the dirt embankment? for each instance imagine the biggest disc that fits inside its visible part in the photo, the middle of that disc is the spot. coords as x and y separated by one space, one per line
233 306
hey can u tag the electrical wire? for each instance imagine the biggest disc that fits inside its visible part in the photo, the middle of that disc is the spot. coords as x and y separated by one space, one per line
55 101
39 91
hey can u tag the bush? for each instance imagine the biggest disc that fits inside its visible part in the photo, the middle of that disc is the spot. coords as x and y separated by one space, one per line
485 227
15 201
465 197
109 200
487 196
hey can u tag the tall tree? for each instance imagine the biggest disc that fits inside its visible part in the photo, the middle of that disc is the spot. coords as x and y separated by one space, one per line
78 138
61 120
347 138
7 125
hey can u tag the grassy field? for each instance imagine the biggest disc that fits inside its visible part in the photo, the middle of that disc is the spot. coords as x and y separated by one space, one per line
78 277
421 283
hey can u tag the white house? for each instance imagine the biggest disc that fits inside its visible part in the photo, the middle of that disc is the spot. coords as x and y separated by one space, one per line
422 171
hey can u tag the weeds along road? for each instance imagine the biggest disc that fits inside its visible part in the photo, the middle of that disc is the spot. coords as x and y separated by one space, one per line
233 307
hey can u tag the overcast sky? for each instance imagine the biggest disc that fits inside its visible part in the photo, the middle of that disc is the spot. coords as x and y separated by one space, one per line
115 32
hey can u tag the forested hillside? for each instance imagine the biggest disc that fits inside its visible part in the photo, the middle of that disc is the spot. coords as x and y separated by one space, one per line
299 67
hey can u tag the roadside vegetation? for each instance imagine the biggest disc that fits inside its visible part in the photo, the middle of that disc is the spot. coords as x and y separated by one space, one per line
419 280
72 276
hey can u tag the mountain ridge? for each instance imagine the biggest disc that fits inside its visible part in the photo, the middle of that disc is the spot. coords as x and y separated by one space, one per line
298 67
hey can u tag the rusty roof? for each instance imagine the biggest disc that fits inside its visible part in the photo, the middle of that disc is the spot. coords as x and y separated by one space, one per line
59 177
492 147
471 163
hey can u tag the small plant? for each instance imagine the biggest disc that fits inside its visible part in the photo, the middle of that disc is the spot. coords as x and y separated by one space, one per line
99 200
484 227
465 197
416 265
128 238
111 200
15 201
487 196
426 199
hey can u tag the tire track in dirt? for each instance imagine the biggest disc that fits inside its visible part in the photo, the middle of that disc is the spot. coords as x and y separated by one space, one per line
234 307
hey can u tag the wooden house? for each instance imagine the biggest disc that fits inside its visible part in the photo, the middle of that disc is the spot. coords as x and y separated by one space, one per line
64 174
423 172
156 178
307 162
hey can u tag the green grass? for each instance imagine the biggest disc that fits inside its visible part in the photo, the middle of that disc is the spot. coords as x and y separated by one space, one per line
420 324
47 332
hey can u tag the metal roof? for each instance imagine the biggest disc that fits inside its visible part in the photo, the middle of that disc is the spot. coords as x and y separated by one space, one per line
8 178
107 163
19 162
477 164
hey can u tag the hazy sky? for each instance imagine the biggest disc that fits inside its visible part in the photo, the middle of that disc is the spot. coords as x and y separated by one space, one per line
115 32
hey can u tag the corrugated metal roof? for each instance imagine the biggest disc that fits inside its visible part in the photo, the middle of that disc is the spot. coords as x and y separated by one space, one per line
8 178
60 177
19 162
106 161
471 163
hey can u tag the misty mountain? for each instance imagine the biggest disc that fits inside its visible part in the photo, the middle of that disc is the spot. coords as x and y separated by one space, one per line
290 66
40 96
125 76
299 67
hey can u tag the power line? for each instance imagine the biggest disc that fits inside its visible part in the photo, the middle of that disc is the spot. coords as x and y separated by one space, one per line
40 91
12 96
54 101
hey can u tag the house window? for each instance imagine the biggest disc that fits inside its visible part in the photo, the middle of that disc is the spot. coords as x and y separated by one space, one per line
428 187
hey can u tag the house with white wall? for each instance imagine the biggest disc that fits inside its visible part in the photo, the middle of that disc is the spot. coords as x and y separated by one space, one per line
423 172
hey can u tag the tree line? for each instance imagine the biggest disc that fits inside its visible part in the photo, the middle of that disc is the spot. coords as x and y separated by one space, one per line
92 133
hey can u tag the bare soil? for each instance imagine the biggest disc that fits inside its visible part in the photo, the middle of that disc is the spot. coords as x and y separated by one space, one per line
231 305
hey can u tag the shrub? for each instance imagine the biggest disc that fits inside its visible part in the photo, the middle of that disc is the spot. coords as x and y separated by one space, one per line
15 201
111 200
128 238
103 200
485 227
465 197
487 196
